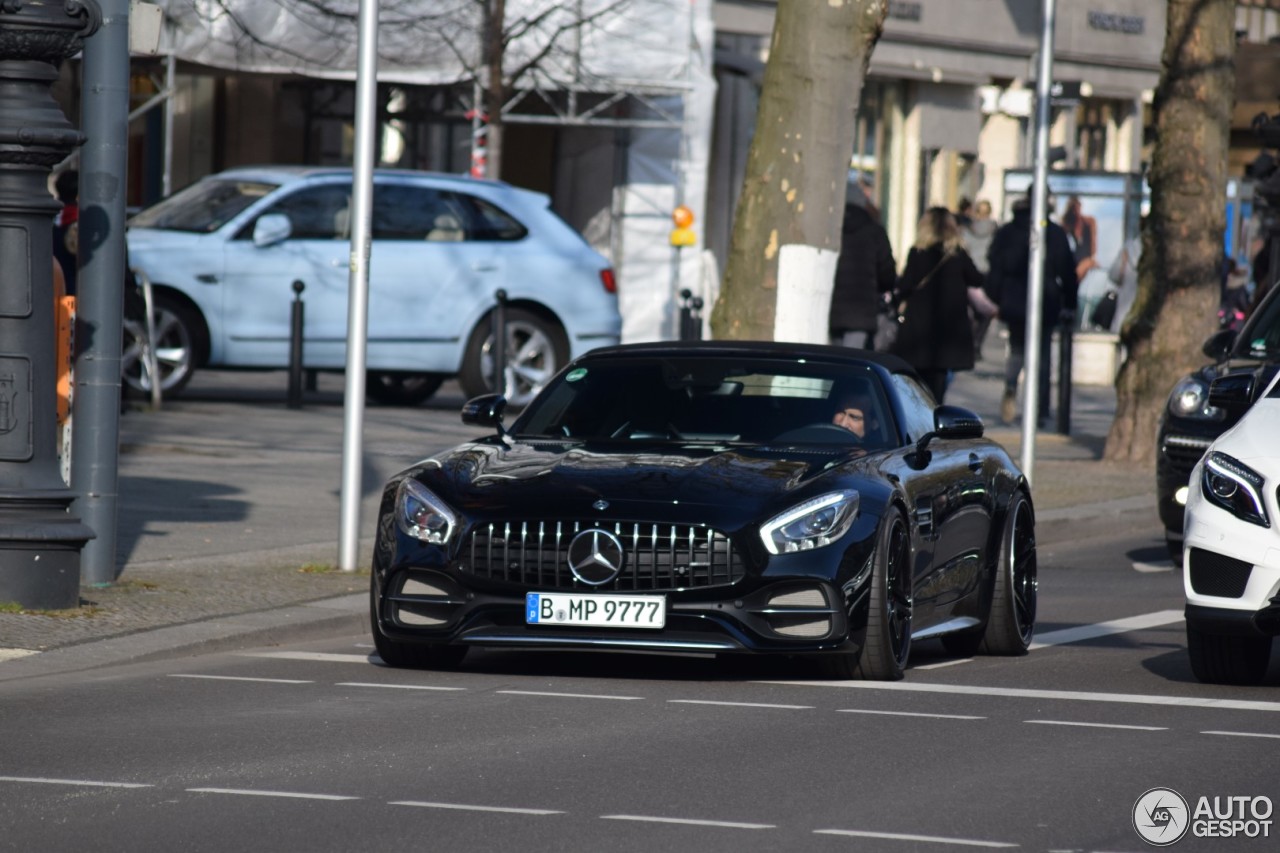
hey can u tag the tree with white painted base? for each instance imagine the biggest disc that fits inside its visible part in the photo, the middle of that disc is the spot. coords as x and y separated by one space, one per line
786 232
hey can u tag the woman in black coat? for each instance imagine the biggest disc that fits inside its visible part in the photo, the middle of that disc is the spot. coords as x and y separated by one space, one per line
936 335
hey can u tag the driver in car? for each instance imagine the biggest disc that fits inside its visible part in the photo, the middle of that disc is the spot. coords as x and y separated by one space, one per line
852 413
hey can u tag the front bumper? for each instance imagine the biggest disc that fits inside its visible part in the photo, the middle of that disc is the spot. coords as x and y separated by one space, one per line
761 615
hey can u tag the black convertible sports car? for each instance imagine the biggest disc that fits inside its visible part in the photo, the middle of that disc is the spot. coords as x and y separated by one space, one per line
715 497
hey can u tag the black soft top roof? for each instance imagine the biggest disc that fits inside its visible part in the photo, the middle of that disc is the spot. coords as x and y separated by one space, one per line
758 349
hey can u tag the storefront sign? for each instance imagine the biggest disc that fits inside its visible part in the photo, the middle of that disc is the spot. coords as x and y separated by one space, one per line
1110 22
905 11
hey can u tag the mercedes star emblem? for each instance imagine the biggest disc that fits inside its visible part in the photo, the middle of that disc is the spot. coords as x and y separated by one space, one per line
595 557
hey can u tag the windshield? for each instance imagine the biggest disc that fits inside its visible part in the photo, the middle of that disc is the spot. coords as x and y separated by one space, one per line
712 399
1260 337
203 207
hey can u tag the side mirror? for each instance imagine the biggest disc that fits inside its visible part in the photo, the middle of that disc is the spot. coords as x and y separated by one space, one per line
485 411
271 228
955 422
950 422
1232 393
1219 344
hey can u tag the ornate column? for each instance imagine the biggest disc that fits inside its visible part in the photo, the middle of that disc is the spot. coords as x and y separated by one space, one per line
40 540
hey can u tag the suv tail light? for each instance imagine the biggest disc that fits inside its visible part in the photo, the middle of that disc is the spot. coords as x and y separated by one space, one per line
606 278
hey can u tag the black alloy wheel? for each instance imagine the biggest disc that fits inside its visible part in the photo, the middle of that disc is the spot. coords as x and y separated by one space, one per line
888 642
1012 620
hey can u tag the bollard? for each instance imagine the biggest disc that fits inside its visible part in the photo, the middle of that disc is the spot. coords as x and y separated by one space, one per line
686 314
295 347
499 329
695 320
1065 331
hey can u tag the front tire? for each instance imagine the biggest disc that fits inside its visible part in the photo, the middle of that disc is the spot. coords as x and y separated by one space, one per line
888 642
1223 659
536 348
1012 620
413 655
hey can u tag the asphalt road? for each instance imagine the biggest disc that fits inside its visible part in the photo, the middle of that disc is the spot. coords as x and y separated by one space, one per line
317 747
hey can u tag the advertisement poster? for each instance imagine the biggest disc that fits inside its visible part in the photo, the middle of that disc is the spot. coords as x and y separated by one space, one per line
1101 212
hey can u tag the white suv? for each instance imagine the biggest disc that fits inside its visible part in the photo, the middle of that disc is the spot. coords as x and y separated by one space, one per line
222 256
1232 546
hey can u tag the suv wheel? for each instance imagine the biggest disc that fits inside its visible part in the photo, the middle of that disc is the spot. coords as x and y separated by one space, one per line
178 335
402 389
536 349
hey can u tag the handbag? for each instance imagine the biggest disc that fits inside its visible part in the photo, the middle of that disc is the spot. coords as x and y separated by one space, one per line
891 316
1104 313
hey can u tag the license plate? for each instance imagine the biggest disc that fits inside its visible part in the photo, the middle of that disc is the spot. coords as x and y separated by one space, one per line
598 611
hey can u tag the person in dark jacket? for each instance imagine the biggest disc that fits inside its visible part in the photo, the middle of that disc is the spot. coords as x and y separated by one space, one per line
1009 261
864 273
936 335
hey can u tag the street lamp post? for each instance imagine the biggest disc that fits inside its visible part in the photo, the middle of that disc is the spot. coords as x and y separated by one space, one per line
40 540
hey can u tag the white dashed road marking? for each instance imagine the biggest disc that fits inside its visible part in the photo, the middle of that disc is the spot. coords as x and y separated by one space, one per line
85 782
1017 693
945 663
909 714
1097 725
740 704
397 686
241 678
1106 629
1242 734
293 795
16 654
928 839
567 695
466 808
323 657
688 821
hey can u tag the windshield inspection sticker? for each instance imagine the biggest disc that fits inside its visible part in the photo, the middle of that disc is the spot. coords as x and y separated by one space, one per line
575 375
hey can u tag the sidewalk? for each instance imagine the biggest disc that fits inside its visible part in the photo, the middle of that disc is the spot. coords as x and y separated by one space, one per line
204 568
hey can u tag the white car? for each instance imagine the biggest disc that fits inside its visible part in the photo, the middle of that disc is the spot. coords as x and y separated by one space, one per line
1232 566
223 254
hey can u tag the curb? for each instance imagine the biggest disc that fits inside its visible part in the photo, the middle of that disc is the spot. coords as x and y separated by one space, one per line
347 613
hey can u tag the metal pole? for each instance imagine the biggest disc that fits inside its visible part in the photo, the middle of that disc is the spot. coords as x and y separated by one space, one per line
1066 331
498 327
1039 220
295 346
170 81
358 282
95 456
40 541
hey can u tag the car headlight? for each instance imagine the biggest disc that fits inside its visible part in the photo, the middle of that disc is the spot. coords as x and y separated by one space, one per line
812 524
1234 486
1190 399
422 515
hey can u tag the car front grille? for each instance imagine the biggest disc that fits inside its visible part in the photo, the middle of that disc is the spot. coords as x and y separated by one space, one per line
656 556
1183 452
1217 574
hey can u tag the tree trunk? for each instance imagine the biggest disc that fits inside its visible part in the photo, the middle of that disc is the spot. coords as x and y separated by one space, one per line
786 232
495 91
1179 273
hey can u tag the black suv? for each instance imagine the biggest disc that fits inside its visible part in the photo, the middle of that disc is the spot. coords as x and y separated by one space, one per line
1189 423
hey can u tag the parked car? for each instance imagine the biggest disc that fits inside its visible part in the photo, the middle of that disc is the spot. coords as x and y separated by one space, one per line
223 254
704 497
1190 421
1232 572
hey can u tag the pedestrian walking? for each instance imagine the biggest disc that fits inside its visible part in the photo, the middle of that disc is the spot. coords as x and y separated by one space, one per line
933 293
1007 283
977 235
865 272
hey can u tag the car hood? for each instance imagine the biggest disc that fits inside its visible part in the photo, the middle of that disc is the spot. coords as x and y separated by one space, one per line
1253 439
143 239
724 486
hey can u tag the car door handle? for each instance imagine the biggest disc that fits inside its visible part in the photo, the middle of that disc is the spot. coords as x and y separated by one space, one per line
975 462
484 266
207 278
341 263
